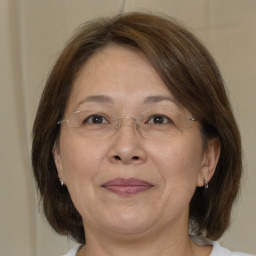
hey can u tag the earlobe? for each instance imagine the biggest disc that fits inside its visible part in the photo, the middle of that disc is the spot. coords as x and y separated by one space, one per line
58 161
209 162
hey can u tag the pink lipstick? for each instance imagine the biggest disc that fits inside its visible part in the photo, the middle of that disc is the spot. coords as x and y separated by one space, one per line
126 187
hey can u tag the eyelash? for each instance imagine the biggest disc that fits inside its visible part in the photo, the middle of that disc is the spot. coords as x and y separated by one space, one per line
166 119
94 116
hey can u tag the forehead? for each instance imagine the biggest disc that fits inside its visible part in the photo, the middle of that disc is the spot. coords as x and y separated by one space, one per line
122 74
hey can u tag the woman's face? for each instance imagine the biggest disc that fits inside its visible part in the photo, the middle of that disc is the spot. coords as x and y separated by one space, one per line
135 179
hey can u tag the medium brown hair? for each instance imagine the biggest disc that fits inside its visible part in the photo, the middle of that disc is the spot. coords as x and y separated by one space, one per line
193 78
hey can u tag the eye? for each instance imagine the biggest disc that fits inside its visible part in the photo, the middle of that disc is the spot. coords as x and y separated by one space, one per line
159 119
95 119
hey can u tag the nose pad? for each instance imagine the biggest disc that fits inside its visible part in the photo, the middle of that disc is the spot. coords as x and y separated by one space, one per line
118 121
137 124
126 148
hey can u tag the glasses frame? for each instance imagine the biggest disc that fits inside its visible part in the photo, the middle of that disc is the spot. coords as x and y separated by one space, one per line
117 126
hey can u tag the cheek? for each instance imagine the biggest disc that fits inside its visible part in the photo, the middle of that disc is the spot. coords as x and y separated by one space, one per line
178 166
81 166
80 159
179 161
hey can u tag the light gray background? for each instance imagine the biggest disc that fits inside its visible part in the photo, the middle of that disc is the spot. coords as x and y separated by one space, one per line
32 34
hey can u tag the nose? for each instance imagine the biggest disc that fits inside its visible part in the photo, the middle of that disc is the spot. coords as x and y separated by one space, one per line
127 147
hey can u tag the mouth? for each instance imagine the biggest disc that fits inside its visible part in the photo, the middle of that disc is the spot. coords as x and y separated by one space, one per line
127 187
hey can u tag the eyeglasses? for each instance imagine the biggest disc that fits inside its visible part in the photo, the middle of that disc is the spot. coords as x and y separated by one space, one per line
99 125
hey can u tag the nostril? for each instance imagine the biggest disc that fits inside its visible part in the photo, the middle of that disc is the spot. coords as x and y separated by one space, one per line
133 158
117 157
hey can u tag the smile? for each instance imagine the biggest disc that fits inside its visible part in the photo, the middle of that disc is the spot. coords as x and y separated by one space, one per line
126 187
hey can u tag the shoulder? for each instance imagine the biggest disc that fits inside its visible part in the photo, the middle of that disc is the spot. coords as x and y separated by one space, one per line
72 252
221 251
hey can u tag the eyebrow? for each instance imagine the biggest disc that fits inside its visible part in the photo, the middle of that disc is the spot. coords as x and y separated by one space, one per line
96 99
158 98
108 100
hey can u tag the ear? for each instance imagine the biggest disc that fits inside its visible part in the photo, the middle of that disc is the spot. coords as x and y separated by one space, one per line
209 161
58 161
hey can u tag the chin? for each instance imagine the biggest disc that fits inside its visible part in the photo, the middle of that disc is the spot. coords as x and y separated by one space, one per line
129 222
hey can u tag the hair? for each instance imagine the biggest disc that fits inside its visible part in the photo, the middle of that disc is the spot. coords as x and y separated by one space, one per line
191 75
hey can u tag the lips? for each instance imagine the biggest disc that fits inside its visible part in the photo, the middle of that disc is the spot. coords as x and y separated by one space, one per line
126 187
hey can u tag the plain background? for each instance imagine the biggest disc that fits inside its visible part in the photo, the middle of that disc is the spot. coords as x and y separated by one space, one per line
32 34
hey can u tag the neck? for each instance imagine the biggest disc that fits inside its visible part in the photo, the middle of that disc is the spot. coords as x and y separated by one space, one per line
166 241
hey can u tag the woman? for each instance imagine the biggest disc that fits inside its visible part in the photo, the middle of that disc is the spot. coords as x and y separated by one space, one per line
135 147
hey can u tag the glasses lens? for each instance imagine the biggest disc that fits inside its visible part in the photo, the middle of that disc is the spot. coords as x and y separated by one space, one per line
152 123
88 123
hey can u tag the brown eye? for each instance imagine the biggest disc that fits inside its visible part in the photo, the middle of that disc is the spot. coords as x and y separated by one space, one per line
96 119
159 119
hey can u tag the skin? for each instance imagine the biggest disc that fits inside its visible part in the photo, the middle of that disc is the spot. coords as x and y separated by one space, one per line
155 221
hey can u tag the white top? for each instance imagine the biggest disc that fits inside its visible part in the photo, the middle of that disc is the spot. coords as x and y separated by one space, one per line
217 250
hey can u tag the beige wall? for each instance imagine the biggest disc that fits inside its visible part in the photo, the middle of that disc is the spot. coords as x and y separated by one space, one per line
33 32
